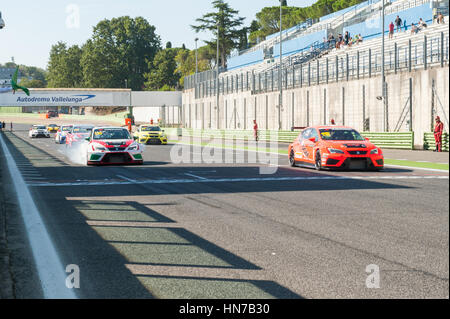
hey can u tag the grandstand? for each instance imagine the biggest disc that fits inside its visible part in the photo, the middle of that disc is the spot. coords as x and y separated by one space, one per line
305 43
322 80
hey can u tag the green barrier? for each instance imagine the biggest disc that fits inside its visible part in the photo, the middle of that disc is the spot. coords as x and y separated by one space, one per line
9 109
429 142
383 140
279 136
391 140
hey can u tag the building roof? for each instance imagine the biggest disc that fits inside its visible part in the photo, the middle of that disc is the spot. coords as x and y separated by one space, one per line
7 73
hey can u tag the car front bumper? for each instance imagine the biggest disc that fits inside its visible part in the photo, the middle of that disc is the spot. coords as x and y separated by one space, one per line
343 161
115 158
40 135
153 140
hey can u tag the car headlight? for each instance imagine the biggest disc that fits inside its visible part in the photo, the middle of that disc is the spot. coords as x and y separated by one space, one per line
335 151
133 147
375 151
97 147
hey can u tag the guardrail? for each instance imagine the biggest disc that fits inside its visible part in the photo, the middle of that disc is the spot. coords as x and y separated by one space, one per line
430 144
383 140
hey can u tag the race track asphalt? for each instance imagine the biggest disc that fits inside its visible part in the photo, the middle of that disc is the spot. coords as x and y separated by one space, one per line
197 230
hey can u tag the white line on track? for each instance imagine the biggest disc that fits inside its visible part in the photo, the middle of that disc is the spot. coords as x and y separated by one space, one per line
50 269
279 154
195 176
234 180
126 178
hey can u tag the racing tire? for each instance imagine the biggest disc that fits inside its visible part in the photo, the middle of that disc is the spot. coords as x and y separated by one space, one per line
318 161
292 159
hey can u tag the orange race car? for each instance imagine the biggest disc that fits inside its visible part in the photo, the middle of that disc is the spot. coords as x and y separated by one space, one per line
334 147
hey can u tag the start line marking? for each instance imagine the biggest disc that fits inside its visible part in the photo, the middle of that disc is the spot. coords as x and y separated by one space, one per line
232 180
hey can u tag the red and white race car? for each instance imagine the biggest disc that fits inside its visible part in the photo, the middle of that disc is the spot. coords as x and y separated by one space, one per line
78 134
112 145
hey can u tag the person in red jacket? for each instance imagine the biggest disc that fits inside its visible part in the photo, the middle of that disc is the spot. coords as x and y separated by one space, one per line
255 130
438 130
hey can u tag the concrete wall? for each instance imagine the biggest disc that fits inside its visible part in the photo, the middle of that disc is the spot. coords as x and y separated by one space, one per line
346 102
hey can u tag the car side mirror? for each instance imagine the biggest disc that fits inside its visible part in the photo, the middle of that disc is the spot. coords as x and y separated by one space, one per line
312 139
367 139
88 139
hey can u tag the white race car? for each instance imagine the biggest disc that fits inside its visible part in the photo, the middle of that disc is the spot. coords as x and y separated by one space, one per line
60 137
38 131
112 145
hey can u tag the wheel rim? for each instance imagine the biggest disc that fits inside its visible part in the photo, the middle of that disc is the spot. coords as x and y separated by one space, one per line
318 161
291 158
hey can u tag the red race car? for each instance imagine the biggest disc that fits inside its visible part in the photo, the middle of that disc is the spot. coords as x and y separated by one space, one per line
78 134
112 145
334 147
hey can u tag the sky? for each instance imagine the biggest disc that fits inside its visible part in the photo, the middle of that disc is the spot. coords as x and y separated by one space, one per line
32 27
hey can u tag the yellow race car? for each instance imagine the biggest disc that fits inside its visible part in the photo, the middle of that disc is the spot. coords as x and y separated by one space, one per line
150 134
52 128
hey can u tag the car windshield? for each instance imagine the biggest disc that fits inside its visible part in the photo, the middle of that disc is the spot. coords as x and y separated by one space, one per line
52 125
150 129
82 129
66 128
40 127
111 134
340 135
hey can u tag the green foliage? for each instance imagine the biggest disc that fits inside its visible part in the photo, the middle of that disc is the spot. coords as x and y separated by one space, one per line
117 53
31 76
229 30
185 60
64 69
119 50
33 83
163 75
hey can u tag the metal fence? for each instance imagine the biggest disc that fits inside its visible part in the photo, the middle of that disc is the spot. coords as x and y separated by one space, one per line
354 64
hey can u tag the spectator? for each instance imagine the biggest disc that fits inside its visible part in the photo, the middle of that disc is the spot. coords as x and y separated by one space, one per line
331 40
398 23
1 127
346 38
438 130
4 125
422 24
440 18
360 38
414 29
350 42
405 26
391 30
255 130
332 122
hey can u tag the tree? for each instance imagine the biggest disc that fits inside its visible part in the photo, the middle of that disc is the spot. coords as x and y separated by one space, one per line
229 28
163 74
32 83
169 45
118 52
185 60
64 70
